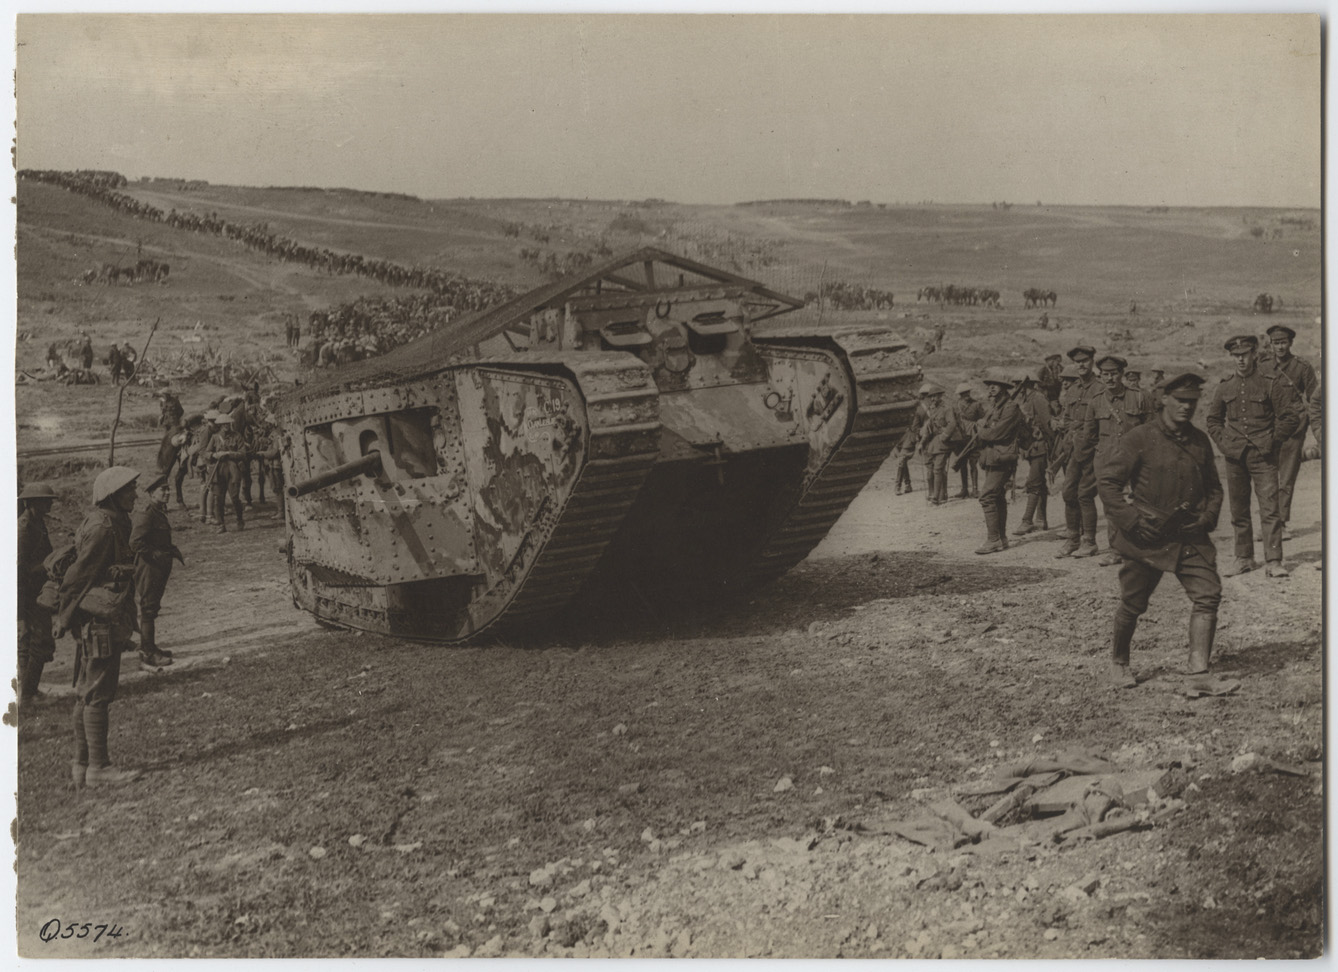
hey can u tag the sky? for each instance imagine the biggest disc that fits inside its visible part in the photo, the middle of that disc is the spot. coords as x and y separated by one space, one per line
1106 109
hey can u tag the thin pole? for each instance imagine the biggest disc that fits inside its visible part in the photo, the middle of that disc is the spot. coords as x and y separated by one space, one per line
120 394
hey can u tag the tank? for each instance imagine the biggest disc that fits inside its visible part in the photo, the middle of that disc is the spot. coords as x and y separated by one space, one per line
630 428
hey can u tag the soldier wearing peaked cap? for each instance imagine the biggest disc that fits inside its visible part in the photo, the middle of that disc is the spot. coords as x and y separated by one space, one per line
96 604
1110 416
998 432
1292 371
1079 475
937 437
151 543
1252 412
1168 469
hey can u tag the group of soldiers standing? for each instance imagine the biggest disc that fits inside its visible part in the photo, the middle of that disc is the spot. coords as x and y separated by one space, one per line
101 588
1155 473
230 447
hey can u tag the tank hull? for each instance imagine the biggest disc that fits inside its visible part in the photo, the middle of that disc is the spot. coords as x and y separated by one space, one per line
636 439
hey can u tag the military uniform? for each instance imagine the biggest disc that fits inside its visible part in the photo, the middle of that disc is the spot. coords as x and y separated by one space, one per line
36 646
968 410
1249 417
937 437
1079 491
906 449
1298 374
151 544
1166 470
1034 446
102 559
221 453
1109 418
998 432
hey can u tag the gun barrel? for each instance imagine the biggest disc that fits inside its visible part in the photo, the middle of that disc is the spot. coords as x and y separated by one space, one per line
369 464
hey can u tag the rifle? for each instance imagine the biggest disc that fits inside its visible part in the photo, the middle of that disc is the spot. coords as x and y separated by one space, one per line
974 441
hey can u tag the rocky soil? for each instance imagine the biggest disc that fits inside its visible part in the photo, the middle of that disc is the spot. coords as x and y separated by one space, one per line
718 784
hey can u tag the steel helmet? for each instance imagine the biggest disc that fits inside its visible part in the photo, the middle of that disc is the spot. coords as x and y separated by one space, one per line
929 388
999 376
111 480
37 491
963 387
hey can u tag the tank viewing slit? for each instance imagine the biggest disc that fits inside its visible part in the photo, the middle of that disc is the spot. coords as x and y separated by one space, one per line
629 422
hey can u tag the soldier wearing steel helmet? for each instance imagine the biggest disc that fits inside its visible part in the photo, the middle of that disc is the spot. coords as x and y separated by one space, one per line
1167 469
998 432
1252 412
224 452
968 410
35 643
97 606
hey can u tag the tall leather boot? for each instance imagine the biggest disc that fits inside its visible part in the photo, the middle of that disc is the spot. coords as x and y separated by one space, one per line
1122 638
1001 522
30 677
1026 525
993 543
1042 501
79 765
975 480
1202 631
97 722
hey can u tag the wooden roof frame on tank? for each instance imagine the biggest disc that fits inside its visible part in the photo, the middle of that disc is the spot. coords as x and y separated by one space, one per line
454 342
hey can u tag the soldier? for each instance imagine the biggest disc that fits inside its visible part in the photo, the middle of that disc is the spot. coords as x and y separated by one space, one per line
128 359
170 411
1035 444
1168 468
85 351
1156 377
939 432
1252 412
201 436
114 363
223 452
906 448
1293 371
997 433
968 410
1079 477
1109 417
1132 377
1049 377
36 646
151 543
95 604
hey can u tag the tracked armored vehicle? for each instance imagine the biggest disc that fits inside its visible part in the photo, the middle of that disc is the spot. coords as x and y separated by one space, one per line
628 426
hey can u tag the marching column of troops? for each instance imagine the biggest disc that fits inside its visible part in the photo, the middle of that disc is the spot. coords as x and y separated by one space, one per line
1136 450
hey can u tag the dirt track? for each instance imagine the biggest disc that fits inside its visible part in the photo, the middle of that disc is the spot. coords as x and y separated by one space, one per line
612 788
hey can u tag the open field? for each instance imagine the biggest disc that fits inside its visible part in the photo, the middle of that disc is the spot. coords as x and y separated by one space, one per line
615 786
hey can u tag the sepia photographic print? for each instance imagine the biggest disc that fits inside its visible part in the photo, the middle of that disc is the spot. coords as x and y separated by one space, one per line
629 485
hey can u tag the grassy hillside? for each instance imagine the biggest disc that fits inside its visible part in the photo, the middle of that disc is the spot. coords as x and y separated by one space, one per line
1179 266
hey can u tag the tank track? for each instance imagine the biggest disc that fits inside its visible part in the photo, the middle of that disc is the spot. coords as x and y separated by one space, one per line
884 376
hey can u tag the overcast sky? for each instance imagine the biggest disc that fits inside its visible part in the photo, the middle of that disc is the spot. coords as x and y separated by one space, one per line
1128 109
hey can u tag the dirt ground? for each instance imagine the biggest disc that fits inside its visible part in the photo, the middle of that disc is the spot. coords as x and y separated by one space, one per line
619 787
